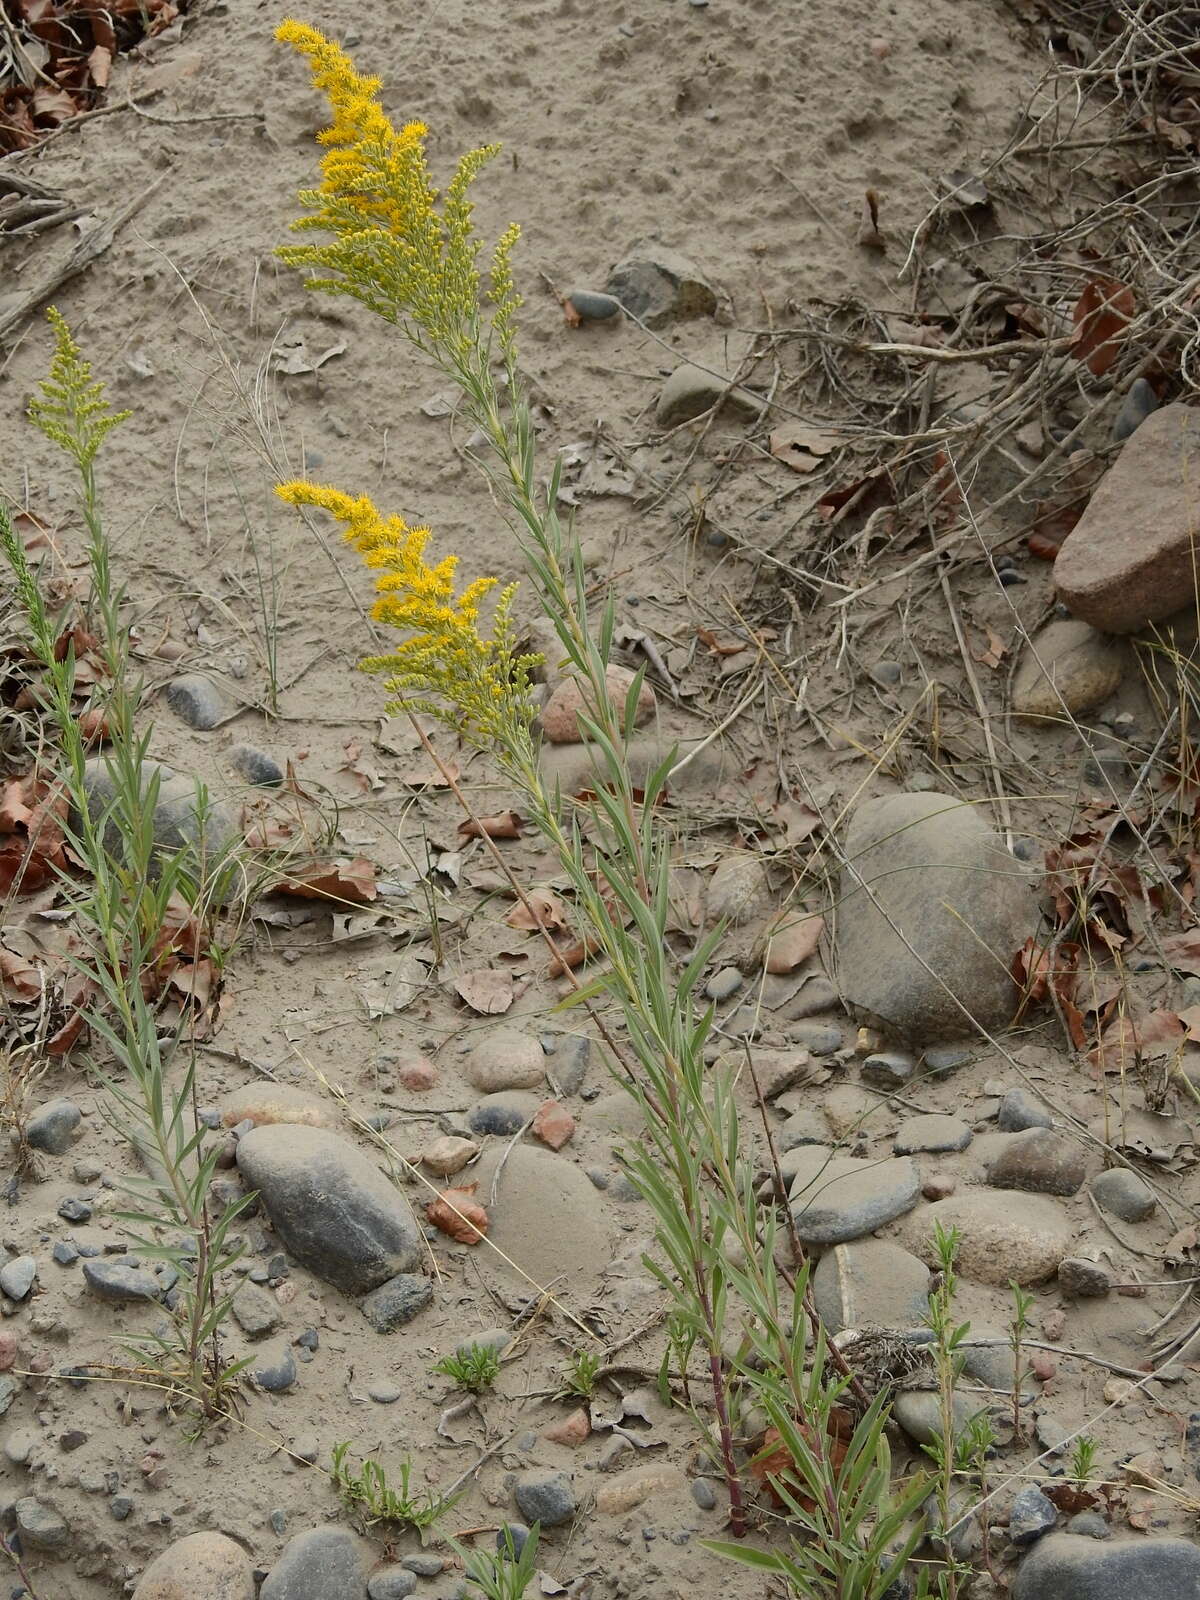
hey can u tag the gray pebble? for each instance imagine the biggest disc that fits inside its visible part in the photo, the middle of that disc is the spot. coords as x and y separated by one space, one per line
423 1566
818 1038
1137 406
890 1069
1019 1111
502 1114
1082 1279
703 1494
279 1521
392 1584
119 1507
40 1525
1119 1191
886 673
942 1058
73 1210
18 1447
52 1125
512 1534
86 1171
546 1497
1089 1524
276 1373
384 1392
197 701
255 766
397 1301
255 1311
112 1281
17 1277
569 1056
8 1392
724 984
1031 1516
593 306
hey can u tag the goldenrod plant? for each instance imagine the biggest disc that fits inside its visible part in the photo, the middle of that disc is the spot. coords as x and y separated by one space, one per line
389 239
121 906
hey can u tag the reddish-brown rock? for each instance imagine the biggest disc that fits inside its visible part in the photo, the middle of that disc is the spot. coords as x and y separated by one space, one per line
1133 556
559 717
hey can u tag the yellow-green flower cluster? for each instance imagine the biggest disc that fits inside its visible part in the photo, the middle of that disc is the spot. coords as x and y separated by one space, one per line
72 411
446 663
392 247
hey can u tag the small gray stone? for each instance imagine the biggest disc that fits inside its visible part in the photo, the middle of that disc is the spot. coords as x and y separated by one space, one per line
1039 1161
255 766
1065 1567
1082 1279
870 1282
73 1209
1032 1515
1106 765
502 1114
256 1311
86 1171
321 1564
397 1301
197 701
1136 407
591 306
423 1566
940 1059
1124 1194
545 1497
919 1413
40 1525
569 1059
119 1507
815 995
932 1133
276 1371
723 985
889 1069
1019 1111
180 820
17 1277
51 1126
112 1281
739 891
658 285
691 391
18 1447
703 1494
834 1199
506 1058
1089 1525
818 1038
8 1392
394 1583
334 1210
384 1392
805 1126
511 1535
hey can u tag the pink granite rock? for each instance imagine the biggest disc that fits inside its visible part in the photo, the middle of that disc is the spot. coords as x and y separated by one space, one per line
1133 556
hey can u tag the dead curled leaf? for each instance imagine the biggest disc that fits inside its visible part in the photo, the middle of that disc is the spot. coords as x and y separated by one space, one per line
1103 311
801 446
456 1214
539 909
349 882
488 991
504 825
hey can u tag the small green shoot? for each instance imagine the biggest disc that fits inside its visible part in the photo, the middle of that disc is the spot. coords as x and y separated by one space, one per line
579 1378
473 1367
1083 1460
503 1575
371 1498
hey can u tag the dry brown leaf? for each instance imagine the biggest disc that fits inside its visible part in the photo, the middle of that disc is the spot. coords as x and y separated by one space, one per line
791 942
20 979
801 446
350 882
571 956
1182 951
540 908
504 825
488 991
455 1213
1103 311
995 652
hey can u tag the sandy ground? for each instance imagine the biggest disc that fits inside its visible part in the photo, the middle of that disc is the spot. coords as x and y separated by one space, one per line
739 133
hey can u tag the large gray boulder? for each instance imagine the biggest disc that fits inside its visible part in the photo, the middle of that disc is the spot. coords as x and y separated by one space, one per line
334 1210
1069 1566
321 1564
184 816
933 909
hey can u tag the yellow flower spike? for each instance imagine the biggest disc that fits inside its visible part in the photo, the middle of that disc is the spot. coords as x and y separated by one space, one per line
391 246
446 662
